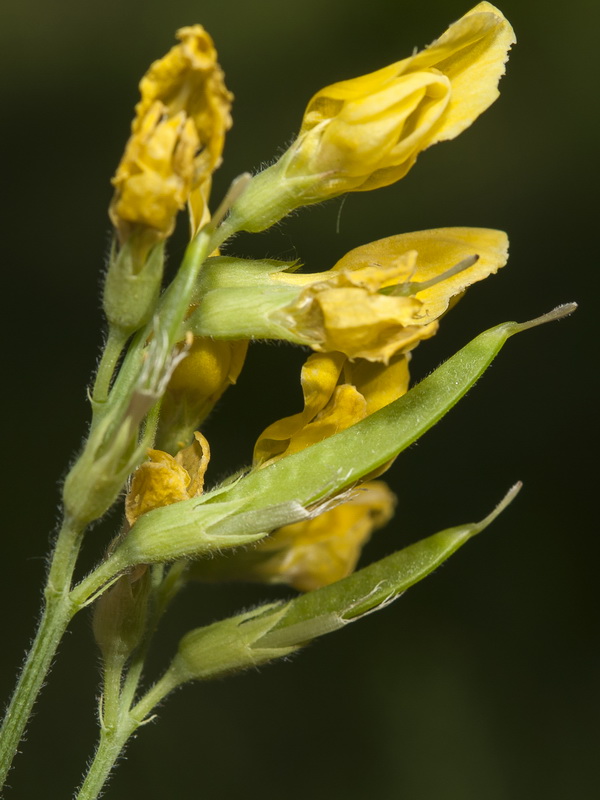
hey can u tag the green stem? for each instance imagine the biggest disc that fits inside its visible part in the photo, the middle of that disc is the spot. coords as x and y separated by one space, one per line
113 739
122 721
156 694
170 313
56 615
61 602
167 587
100 578
176 299
115 342
112 693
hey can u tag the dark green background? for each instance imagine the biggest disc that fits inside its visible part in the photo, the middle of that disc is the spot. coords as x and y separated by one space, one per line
480 684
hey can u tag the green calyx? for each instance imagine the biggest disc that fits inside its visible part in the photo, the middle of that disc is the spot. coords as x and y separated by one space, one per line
131 288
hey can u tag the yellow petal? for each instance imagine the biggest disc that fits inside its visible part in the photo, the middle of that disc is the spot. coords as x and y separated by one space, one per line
322 550
319 378
345 407
194 459
379 384
188 78
367 132
208 369
472 53
176 141
337 393
437 251
154 178
362 324
157 482
346 313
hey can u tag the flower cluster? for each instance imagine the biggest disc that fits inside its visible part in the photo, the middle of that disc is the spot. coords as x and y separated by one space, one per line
311 498
362 317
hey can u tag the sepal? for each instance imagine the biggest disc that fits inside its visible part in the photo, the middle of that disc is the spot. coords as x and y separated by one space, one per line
230 645
132 285
190 529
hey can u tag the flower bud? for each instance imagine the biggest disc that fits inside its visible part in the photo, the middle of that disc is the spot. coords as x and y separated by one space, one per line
120 613
96 479
209 367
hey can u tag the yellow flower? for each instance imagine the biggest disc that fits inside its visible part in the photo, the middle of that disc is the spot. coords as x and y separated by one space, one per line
207 370
177 139
345 310
324 549
363 337
311 553
154 179
189 79
367 132
337 393
164 479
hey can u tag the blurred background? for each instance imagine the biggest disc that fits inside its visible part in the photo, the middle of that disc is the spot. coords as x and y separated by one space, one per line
480 683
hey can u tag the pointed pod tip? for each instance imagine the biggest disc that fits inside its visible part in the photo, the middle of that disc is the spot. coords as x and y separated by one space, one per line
504 503
557 313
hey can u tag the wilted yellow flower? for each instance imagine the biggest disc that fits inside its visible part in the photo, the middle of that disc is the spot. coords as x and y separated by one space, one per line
367 132
177 138
337 393
345 310
207 370
166 479
189 79
154 179
326 548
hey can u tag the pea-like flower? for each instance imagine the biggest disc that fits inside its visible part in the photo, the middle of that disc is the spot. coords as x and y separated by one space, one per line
383 298
176 142
312 553
321 550
362 336
367 132
164 479
337 393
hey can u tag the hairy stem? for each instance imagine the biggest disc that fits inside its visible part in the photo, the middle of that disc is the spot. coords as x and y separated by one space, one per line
114 738
115 342
57 613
